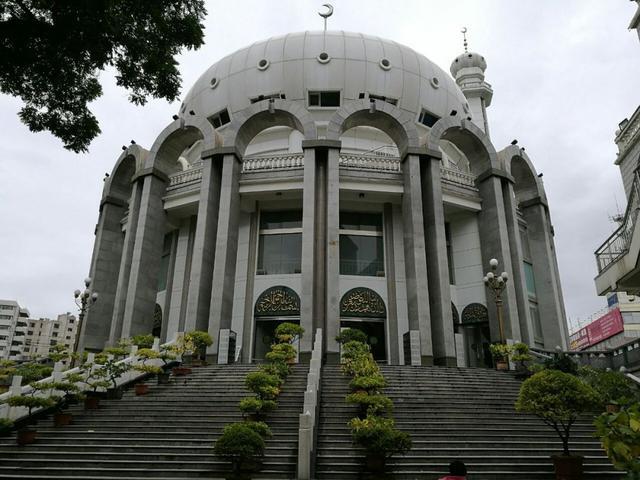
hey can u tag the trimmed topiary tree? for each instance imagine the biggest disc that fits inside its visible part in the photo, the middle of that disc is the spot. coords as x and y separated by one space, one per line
243 445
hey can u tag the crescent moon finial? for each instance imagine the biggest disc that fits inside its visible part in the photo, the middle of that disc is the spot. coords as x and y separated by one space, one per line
329 11
464 35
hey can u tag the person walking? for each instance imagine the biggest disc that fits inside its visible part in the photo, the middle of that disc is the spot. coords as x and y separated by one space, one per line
457 471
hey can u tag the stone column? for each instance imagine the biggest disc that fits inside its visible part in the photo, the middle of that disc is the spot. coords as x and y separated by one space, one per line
180 284
147 252
204 244
125 262
494 243
415 257
390 274
547 285
444 346
519 280
308 291
332 283
107 252
248 328
224 266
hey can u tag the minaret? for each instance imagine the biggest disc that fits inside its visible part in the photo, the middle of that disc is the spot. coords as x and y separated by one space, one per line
468 71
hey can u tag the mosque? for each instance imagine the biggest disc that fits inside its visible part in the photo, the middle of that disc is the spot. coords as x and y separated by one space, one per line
331 179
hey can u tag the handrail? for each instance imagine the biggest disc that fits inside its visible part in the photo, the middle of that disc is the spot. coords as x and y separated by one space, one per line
17 413
618 242
307 426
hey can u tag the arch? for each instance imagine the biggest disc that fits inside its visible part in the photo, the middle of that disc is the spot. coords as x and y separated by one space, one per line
247 123
386 117
362 302
518 164
277 301
118 184
469 139
474 313
173 140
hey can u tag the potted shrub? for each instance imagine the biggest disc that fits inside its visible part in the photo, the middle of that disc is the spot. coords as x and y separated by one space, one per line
558 398
620 436
199 340
32 372
500 354
27 432
368 383
287 332
520 356
167 357
183 347
563 362
142 340
243 445
371 404
278 369
144 355
351 335
254 408
6 426
282 352
114 369
265 386
95 378
380 440
71 393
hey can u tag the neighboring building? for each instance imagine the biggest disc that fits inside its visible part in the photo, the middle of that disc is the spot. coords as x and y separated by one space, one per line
13 330
332 179
44 333
617 325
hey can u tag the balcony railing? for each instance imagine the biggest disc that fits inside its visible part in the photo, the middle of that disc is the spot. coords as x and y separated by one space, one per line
295 161
618 243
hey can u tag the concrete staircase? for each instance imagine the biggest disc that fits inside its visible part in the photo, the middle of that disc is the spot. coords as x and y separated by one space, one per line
168 433
452 413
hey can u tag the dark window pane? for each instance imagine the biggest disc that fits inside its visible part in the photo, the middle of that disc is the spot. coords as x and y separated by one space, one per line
314 99
330 99
361 255
279 254
281 219
428 119
370 222
530 279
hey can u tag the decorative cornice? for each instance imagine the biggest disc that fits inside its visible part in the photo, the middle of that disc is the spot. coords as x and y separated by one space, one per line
220 151
110 199
532 202
494 172
145 172
321 143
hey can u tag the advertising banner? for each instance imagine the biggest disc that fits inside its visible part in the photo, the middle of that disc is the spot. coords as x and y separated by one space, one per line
604 327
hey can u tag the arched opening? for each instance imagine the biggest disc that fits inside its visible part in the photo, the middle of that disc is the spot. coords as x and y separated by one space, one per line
364 309
156 330
477 336
274 306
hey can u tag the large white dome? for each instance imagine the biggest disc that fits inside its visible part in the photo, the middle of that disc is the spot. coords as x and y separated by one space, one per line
292 65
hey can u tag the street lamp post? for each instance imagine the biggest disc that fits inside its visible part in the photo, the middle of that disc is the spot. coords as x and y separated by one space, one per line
497 283
85 300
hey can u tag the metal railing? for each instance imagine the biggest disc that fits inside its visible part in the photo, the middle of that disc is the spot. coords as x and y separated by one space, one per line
626 355
307 426
17 413
618 243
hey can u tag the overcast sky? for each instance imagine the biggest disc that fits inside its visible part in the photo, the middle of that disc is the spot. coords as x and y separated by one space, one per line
564 74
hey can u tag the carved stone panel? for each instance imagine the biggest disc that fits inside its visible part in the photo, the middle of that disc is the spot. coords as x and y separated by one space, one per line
475 313
279 301
362 302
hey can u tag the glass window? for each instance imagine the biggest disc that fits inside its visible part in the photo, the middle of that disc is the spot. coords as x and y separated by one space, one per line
537 324
361 255
530 279
279 253
526 249
280 242
427 118
164 263
447 234
369 222
324 99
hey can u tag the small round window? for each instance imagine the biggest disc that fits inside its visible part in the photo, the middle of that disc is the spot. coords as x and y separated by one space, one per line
324 57
214 82
385 64
435 83
263 64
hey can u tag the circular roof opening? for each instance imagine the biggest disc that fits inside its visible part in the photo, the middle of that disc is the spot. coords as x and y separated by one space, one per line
324 57
435 83
263 64
214 82
385 64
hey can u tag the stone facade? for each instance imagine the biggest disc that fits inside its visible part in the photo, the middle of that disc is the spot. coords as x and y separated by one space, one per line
306 166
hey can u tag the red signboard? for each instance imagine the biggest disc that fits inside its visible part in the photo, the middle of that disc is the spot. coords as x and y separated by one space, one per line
604 327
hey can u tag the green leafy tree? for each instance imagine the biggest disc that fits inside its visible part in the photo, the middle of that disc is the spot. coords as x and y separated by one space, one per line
620 437
557 398
52 54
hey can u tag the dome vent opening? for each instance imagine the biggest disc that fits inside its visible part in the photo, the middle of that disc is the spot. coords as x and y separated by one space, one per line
385 64
263 64
324 57
214 82
435 83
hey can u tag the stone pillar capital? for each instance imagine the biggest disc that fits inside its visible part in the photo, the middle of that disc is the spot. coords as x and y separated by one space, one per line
221 152
494 172
150 171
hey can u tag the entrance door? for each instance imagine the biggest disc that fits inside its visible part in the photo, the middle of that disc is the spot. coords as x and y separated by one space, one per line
374 329
477 345
265 335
